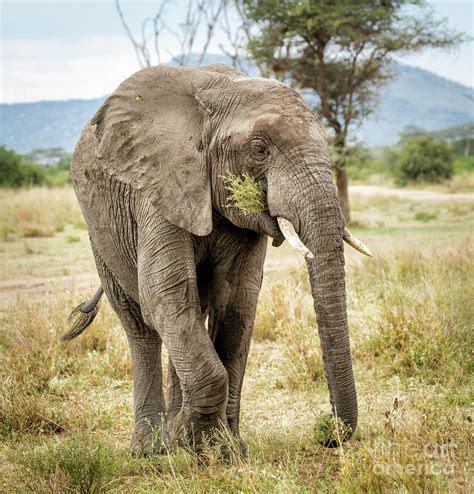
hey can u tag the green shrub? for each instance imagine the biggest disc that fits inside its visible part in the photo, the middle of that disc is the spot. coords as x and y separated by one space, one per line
425 217
422 159
64 163
18 171
55 176
463 147
15 172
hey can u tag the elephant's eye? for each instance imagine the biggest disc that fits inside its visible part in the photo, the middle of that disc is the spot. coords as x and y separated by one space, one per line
259 149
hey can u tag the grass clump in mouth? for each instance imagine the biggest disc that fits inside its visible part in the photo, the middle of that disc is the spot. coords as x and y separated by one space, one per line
245 194
331 431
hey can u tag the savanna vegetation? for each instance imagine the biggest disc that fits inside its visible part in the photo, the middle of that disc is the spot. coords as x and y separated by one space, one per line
443 158
22 171
66 409
420 159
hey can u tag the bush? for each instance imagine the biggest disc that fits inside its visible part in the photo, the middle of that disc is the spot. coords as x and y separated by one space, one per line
15 172
422 159
18 171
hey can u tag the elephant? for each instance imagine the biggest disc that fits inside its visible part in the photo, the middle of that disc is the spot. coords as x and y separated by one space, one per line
183 269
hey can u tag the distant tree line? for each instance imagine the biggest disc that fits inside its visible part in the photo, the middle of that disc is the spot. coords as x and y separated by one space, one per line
18 171
461 137
420 156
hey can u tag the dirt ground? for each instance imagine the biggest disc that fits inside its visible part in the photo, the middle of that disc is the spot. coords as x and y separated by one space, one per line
410 194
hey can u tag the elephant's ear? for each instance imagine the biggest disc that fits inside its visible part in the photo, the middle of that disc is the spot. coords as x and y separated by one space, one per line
149 133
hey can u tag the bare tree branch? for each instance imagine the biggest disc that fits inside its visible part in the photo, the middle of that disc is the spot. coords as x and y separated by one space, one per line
212 16
140 50
234 37
152 28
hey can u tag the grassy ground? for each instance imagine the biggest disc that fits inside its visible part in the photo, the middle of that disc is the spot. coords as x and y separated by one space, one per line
66 410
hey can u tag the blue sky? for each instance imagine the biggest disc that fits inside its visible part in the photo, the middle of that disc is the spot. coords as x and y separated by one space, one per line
69 49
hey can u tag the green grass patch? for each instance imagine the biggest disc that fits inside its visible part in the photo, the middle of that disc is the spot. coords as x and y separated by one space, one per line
331 430
425 217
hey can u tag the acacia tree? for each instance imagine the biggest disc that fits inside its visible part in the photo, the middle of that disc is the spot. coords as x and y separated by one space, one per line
342 50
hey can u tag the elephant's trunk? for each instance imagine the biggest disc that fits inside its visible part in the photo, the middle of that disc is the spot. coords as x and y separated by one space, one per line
326 274
318 219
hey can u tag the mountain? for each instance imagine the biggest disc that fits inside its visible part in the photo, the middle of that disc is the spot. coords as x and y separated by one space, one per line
25 127
415 97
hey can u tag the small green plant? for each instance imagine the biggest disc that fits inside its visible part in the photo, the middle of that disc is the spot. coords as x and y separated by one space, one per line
331 431
72 239
425 217
245 194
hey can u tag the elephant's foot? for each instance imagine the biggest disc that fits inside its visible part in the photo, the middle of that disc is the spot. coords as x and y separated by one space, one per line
206 434
196 431
149 439
241 445
244 449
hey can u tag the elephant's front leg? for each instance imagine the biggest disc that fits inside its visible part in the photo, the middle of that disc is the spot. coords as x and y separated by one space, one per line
231 325
170 303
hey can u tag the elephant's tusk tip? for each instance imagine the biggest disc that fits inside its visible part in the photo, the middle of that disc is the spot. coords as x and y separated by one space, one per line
356 243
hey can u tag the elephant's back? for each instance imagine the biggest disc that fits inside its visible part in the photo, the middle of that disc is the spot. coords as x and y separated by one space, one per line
84 156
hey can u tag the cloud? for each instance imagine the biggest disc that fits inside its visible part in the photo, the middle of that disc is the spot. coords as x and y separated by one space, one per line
34 70
87 67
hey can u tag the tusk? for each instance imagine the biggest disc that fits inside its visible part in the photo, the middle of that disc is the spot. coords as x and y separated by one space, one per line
291 236
357 244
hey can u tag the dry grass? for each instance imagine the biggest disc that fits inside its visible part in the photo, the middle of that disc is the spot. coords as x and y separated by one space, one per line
42 377
66 410
461 182
38 212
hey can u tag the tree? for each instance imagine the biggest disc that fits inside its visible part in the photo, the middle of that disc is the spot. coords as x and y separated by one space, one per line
422 159
342 50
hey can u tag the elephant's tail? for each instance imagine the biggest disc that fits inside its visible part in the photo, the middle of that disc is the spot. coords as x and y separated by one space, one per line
83 315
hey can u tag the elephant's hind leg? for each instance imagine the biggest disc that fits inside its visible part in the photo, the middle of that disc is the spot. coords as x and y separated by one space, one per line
145 348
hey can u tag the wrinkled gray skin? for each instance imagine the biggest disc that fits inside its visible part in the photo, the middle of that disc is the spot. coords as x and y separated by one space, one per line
148 175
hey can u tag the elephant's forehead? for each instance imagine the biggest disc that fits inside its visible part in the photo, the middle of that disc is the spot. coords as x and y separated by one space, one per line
277 110
268 95
290 128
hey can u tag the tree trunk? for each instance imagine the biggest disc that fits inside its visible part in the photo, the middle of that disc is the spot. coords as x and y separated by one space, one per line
342 181
343 191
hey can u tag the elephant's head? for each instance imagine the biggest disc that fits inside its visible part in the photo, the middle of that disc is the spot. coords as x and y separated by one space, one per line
175 132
